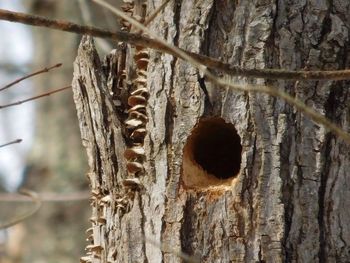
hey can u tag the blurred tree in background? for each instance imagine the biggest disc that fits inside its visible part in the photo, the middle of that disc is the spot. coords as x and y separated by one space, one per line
56 162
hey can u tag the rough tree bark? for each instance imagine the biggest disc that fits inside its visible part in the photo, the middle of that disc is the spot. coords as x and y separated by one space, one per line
278 194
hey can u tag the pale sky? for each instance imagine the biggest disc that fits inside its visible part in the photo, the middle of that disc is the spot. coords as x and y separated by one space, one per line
16 122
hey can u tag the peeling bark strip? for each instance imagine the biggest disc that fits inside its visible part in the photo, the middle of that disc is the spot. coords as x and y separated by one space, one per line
288 202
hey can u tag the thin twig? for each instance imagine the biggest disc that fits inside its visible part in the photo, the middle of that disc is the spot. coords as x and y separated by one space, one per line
199 60
34 98
46 197
37 201
139 40
316 117
152 16
30 75
85 12
302 107
9 143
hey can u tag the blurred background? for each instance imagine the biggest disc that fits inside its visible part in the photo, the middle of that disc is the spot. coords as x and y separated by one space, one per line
50 159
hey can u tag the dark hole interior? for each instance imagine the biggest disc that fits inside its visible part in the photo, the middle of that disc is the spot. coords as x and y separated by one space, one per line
217 148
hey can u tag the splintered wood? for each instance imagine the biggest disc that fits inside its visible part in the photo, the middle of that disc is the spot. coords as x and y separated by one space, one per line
124 96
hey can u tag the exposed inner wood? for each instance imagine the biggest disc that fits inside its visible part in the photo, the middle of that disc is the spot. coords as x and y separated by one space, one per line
212 154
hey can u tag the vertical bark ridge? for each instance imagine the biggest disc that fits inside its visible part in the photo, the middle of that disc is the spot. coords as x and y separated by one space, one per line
286 204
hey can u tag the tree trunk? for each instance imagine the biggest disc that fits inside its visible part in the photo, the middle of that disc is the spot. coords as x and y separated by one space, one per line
229 176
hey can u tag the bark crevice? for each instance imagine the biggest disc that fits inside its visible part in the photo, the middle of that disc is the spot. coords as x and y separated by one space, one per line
288 201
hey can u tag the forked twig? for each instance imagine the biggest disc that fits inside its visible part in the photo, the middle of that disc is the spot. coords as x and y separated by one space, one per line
34 98
47 69
37 201
138 40
316 117
12 142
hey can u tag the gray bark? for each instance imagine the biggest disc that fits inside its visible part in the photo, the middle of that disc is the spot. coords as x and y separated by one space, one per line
288 202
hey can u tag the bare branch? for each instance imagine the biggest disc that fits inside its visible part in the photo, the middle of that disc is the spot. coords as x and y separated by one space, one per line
86 15
307 111
46 197
36 199
139 40
12 142
313 115
198 60
34 98
30 75
152 16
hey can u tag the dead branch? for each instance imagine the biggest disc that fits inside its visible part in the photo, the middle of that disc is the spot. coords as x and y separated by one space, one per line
139 40
46 197
34 98
197 59
86 15
221 82
37 201
152 16
47 69
12 142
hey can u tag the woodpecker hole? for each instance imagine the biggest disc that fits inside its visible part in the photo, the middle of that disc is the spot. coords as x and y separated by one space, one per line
212 154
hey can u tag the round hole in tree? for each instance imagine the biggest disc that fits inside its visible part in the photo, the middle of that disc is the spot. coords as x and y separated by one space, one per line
212 154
